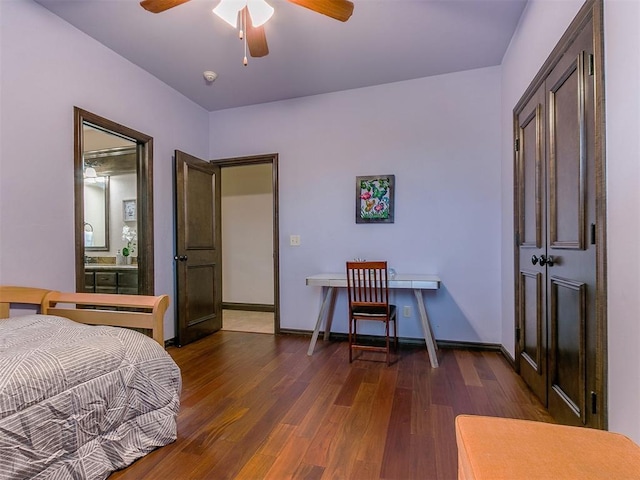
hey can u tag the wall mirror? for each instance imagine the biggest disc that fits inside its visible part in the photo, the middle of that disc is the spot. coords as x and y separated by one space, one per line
113 207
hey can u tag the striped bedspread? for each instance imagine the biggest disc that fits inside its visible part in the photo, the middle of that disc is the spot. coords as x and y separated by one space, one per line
80 401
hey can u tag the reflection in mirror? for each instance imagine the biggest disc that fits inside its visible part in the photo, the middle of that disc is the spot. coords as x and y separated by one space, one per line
96 212
114 207
109 160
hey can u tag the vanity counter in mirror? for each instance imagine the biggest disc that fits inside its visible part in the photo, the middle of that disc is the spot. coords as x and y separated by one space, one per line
122 279
96 267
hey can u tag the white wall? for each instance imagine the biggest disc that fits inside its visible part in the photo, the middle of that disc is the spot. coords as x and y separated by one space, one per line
48 67
440 136
622 57
95 214
247 234
541 26
121 187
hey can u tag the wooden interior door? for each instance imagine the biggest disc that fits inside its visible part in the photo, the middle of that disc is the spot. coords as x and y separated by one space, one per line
571 264
558 347
531 334
198 254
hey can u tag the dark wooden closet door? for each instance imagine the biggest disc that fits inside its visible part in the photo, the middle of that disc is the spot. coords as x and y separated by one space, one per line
560 279
571 278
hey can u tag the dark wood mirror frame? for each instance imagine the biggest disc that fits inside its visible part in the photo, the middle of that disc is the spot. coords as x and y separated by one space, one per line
144 185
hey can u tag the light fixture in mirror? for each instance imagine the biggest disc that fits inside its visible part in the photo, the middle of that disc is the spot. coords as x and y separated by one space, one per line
90 173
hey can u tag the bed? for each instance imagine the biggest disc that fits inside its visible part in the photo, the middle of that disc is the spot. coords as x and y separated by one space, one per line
81 401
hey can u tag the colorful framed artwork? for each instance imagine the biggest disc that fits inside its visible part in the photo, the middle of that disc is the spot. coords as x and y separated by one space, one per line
129 210
375 198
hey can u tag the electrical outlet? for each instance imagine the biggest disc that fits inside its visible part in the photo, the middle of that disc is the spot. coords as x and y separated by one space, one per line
406 311
294 240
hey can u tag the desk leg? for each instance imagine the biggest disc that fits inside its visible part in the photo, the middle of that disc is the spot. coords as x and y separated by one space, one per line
328 299
329 321
429 339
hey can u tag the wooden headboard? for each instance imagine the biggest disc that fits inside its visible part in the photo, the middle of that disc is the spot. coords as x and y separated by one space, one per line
20 295
105 309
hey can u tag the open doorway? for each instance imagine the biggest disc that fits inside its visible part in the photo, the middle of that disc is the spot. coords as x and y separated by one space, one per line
249 244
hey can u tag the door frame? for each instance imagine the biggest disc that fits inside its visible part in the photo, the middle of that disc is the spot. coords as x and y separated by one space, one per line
268 158
592 9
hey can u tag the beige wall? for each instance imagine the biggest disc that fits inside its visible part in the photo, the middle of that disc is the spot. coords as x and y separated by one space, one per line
247 234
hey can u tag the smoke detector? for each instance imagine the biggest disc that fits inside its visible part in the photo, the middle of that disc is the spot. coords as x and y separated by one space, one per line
210 76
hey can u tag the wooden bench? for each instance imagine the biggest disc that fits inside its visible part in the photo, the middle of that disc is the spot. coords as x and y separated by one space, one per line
492 448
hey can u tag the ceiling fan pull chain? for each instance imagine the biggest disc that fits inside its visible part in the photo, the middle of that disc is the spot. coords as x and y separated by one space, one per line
245 62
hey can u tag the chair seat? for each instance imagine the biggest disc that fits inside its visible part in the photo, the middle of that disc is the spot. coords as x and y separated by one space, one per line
374 311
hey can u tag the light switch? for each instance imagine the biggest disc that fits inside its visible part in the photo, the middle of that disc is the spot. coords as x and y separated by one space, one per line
294 240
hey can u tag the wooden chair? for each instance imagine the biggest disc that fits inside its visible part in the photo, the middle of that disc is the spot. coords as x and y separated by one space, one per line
368 290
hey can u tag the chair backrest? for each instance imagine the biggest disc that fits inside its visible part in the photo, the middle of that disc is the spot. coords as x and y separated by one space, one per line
367 284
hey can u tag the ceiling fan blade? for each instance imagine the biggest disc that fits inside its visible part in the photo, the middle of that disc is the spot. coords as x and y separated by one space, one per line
257 41
157 6
338 9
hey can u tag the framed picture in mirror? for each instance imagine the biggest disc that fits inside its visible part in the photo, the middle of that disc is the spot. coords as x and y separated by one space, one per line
129 210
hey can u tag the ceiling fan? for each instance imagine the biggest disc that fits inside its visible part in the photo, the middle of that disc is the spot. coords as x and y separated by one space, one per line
255 36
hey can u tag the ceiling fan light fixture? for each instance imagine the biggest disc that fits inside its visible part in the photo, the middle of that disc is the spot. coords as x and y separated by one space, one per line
228 10
260 12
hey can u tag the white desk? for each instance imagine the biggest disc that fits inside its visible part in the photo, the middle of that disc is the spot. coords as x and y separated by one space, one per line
417 283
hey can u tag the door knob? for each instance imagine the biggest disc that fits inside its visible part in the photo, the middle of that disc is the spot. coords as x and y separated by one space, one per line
182 258
534 259
546 260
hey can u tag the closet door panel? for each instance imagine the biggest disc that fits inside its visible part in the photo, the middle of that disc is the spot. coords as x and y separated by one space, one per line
532 159
533 313
531 354
567 158
567 352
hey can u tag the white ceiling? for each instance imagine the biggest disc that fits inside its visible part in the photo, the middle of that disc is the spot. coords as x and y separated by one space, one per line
384 41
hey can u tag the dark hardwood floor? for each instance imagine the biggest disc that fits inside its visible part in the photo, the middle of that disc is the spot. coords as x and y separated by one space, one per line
255 406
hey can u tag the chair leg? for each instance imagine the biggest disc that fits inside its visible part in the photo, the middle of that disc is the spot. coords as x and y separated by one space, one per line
350 340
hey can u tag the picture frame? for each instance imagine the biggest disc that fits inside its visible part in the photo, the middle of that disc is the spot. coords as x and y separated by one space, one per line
129 210
375 198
